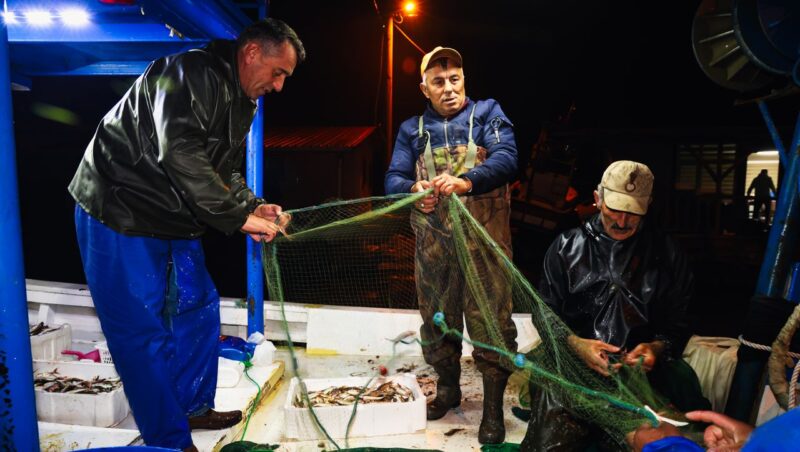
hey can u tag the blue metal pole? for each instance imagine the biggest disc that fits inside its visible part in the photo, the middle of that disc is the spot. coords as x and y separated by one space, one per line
783 234
18 428
775 269
255 179
773 131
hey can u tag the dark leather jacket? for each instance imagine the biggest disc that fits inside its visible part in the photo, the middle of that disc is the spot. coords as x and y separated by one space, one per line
166 160
621 292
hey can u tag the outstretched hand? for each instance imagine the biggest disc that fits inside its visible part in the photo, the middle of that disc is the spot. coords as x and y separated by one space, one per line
593 352
647 352
725 434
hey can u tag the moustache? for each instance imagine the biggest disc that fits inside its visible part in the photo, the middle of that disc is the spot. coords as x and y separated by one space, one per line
621 228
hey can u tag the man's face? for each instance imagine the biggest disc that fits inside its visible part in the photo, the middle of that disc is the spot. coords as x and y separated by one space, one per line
618 225
261 73
445 88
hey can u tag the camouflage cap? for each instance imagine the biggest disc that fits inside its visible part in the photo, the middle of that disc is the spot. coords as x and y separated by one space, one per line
627 186
439 52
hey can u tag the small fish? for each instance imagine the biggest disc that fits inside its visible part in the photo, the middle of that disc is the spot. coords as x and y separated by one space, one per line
57 383
41 328
347 395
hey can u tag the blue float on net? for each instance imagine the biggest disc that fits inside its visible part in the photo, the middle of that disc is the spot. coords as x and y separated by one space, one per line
438 319
519 360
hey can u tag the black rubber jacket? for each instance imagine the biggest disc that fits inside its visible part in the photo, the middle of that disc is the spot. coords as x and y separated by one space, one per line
621 292
166 160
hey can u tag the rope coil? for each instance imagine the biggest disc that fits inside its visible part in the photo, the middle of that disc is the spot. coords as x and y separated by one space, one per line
793 382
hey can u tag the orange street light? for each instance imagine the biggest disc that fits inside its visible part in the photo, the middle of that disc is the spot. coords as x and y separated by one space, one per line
410 9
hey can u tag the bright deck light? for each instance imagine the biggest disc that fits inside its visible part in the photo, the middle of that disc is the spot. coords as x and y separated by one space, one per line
38 17
9 17
74 17
410 8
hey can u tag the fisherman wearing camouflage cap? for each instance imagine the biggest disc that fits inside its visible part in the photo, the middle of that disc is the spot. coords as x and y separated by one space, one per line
464 147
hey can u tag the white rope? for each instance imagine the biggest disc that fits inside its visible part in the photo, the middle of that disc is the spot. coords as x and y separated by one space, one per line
765 348
795 373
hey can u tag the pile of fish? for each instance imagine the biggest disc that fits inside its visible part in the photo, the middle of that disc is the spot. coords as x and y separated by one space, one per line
55 382
346 395
41 328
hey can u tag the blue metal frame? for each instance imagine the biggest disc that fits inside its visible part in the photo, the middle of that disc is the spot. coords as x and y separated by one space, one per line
783 235
776 268
18 426
255 180
120 41
773 132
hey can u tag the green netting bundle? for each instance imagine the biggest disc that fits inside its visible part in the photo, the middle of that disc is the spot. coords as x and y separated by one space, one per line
248 446
370 252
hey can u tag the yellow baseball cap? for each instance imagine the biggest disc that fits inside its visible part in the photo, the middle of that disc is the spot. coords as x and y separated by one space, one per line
435 54
627 186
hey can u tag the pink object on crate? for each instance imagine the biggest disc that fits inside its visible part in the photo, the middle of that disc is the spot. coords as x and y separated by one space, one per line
94 355
105 354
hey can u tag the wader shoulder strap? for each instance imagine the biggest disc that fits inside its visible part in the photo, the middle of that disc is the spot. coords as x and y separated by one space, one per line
472 148
427 156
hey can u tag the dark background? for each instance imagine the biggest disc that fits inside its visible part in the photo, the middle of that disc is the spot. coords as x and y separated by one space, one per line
624 64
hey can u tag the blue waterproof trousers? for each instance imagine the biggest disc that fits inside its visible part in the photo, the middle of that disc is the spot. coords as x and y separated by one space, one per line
159 311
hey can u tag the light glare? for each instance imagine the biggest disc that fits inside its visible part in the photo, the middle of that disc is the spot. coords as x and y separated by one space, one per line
74 17
9 17
38 17
410 7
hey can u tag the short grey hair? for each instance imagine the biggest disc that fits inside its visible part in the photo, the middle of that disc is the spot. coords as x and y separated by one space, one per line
270 33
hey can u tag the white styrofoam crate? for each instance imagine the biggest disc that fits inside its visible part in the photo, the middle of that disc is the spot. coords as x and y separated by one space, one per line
105 354
373 419
100 410
49 345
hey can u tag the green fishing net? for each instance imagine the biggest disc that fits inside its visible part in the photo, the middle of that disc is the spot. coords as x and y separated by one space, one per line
362 253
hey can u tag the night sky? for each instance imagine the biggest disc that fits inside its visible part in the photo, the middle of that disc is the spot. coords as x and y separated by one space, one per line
625 64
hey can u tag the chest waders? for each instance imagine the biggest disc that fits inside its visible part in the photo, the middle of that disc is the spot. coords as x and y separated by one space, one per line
444 288
427 156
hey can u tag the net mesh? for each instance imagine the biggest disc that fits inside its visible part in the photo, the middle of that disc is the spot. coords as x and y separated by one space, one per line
362 252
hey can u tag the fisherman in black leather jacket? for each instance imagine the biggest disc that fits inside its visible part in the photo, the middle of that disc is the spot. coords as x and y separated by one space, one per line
623 289
165 164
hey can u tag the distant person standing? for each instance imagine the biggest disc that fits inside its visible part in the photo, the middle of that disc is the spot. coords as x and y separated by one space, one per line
765 191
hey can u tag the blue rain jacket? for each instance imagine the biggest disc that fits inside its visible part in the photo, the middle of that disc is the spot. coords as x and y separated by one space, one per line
491 130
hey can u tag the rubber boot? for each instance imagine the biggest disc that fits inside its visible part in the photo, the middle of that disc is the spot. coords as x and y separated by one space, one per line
448 391
492 429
